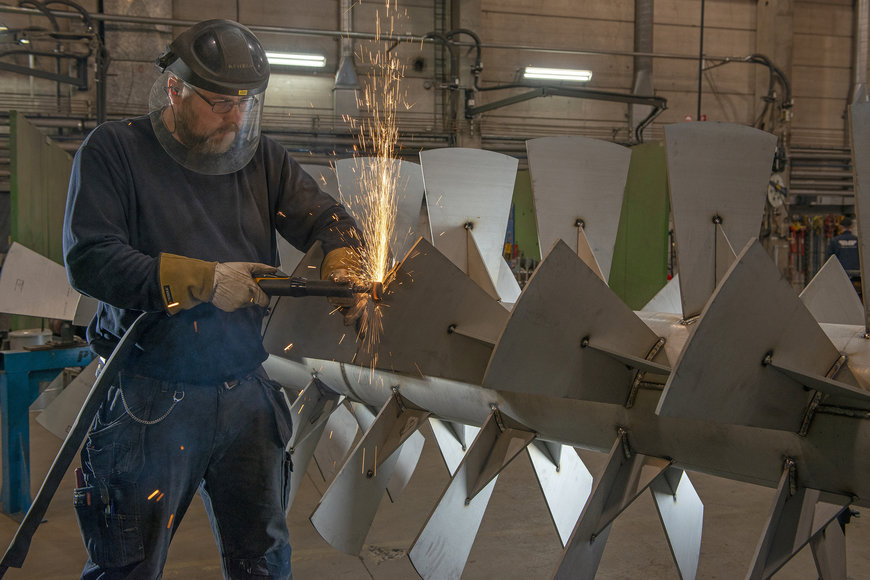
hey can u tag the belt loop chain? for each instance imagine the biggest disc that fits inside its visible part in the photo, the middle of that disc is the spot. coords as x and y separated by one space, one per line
176 398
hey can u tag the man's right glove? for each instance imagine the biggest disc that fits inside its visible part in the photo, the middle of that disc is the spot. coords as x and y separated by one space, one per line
186 282
234 285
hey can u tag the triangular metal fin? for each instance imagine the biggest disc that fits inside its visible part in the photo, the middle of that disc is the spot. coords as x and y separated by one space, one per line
578 178
681 513
829 552
393 425
409 456
718 174
428 295
755 312
336 440
348 507
625 476
594 312
831 297
442 547
566 484
507 445
452 440
311 408
667 299
797 515
468 188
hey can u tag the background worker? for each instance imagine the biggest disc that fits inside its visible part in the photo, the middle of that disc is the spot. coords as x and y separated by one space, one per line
845 247
177 211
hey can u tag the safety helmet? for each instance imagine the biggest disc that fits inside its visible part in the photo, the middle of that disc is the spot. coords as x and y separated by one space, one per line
222 57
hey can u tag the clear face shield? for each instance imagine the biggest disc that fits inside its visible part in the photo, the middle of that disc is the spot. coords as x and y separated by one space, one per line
205 132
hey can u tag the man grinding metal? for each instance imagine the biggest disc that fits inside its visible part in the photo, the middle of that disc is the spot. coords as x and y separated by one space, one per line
176 212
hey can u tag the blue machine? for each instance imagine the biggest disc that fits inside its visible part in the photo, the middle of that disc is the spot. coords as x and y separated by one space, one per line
21 371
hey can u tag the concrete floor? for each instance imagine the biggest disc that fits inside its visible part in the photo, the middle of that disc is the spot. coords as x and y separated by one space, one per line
516 540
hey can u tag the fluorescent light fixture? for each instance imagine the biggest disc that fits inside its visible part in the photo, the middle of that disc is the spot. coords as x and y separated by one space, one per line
557 74
298 60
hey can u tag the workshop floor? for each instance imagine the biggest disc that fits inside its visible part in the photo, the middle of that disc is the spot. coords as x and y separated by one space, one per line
516 540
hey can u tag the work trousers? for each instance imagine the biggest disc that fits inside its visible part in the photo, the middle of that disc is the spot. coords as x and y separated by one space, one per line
155 443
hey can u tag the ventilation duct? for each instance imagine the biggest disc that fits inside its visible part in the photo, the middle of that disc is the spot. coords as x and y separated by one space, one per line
346 83
862 43
643 42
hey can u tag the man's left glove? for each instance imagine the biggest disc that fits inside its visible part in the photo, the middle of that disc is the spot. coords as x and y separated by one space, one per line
186 282
342 265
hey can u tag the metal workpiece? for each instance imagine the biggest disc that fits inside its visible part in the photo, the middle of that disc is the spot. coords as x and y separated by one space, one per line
799 516
755 312
578 179
565 483
356 175
747 454
739 374
348 507
626 475
714 170
579 338
310 411
427 295
443 545
681 514
453 440
831 297
470 186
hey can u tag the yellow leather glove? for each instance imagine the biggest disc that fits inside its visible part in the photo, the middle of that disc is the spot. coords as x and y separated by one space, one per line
342 265
186 282
234 285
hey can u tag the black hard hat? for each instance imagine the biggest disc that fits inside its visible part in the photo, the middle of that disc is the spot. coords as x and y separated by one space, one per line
221 56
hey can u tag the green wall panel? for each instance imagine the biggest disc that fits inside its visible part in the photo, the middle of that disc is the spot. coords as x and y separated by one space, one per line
525 229
38 183
640 256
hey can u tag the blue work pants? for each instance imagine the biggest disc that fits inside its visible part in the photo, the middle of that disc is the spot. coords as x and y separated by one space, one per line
155 443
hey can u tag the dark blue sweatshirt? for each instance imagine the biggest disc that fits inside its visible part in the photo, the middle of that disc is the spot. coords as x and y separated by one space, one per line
129 201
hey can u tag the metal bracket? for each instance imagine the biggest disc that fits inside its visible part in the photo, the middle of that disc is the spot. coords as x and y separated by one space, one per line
819 397
799 516
639 375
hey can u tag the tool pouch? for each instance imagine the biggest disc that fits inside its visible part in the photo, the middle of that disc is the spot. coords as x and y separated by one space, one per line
112 540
